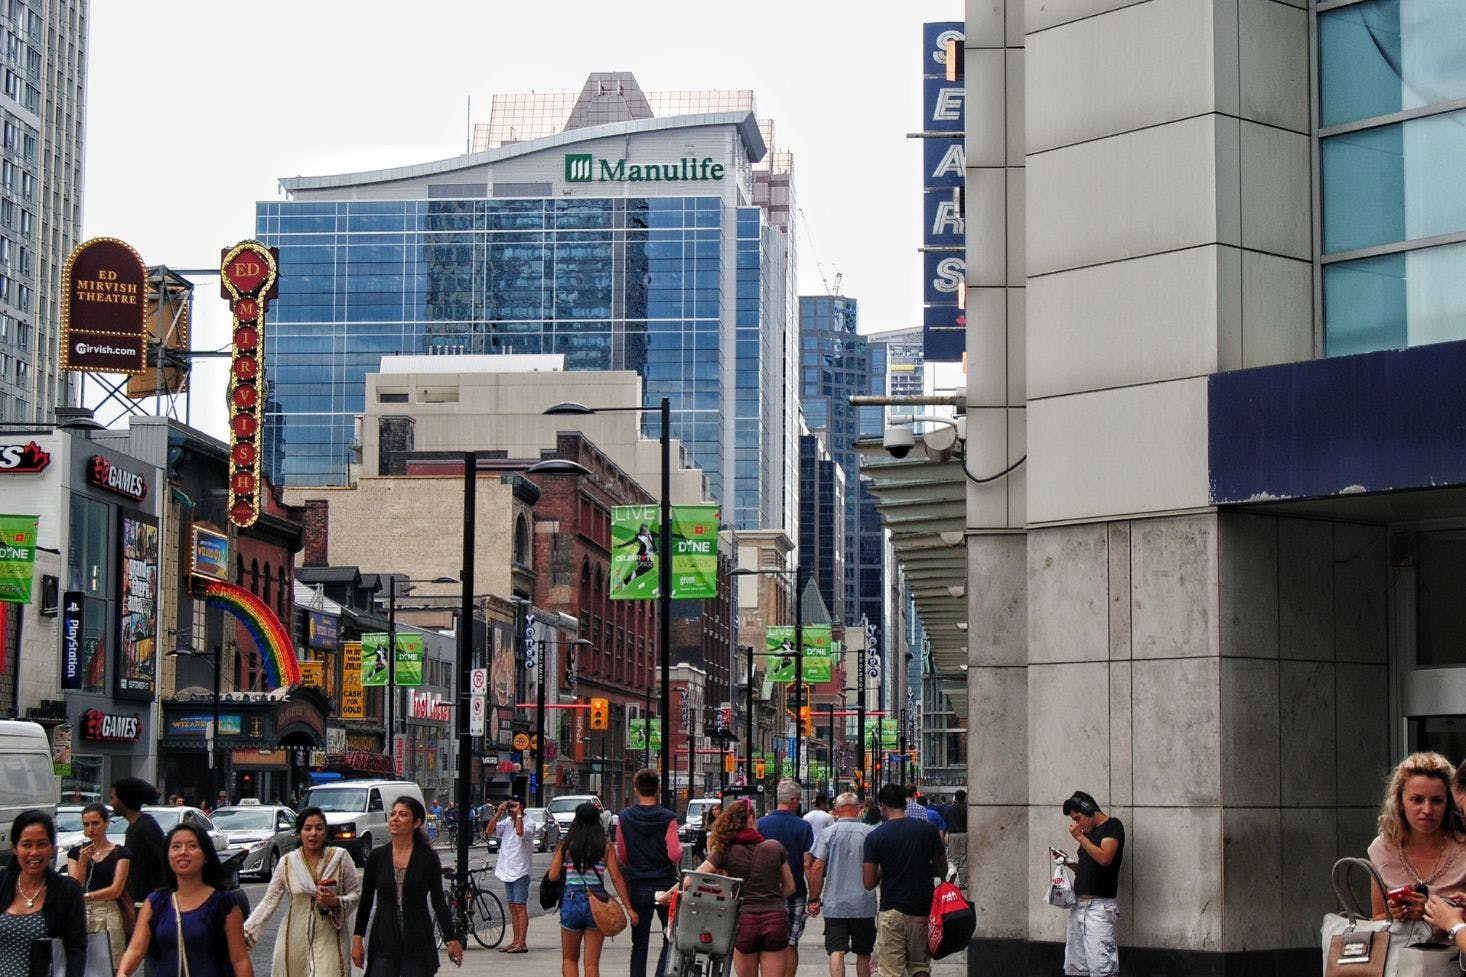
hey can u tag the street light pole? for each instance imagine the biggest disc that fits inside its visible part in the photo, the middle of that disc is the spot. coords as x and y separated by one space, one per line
465 661
799 669
748 721
538 778
860 737
392 672
830 706
664 603
215 774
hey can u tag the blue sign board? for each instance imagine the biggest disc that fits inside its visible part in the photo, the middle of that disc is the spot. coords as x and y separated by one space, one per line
73 628
944 231
324 630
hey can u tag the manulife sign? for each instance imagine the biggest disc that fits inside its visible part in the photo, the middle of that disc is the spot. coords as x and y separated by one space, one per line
588 168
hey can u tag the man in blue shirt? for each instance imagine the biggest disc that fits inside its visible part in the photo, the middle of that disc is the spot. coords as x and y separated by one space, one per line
785 826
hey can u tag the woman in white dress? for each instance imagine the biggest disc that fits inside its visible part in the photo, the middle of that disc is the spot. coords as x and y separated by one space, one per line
319 889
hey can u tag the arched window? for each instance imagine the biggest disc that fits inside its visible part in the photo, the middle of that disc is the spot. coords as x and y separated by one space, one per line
283 595
254 577
239 569
269 579
521 542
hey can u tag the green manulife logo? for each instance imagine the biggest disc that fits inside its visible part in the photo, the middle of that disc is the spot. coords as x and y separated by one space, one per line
587 168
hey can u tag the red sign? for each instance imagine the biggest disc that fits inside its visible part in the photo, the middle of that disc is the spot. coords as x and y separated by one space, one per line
104 292
23 458
248 278
114 478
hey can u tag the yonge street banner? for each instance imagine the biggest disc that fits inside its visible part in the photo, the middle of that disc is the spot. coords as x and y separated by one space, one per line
635 544
818 658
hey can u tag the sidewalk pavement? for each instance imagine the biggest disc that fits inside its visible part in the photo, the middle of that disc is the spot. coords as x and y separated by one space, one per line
543 958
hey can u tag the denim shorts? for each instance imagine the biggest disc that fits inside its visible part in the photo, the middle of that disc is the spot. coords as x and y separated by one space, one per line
517 892
575 910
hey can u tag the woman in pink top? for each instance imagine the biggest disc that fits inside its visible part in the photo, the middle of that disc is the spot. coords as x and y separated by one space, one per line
1422 839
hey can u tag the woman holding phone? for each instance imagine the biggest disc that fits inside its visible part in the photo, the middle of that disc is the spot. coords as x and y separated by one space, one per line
319 889
1421 848
101 869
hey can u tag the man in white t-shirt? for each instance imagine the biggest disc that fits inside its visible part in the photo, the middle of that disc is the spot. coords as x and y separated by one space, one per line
820 818
513 867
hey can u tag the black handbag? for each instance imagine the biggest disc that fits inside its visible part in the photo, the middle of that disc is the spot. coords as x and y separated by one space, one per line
551 891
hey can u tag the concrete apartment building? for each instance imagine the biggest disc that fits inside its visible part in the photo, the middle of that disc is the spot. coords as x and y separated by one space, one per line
1212 255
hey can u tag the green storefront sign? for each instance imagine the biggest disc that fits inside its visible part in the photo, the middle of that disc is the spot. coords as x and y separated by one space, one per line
17 557
588 168
635 543
374 659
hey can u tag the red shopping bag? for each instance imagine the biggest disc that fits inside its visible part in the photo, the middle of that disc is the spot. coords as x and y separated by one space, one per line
952 922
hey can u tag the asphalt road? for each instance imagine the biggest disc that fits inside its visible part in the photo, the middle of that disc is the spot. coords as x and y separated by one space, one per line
478 857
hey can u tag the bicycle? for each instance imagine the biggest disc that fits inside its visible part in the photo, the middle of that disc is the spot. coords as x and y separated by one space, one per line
476 909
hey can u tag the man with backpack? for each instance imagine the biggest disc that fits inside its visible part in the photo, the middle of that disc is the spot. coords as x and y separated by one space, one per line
649 850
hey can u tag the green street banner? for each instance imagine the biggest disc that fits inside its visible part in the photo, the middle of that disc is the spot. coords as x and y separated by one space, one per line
374 659
695 552
890 734
818 663
17 557
635 538
636 735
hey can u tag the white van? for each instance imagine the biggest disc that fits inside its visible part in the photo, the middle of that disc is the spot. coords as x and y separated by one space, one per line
356 811
27 775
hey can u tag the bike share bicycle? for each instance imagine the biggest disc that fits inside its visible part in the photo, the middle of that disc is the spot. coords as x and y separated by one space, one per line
703 925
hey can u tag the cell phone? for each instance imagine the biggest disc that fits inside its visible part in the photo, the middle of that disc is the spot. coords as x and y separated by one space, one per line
1400 894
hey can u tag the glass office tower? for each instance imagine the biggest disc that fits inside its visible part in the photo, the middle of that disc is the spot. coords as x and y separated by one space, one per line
630 244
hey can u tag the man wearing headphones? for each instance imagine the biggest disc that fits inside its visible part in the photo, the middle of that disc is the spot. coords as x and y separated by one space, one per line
1090 950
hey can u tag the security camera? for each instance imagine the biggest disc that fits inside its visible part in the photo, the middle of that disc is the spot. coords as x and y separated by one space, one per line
899 440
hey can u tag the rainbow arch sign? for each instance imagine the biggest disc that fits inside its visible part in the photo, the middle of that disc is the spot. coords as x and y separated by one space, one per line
282 668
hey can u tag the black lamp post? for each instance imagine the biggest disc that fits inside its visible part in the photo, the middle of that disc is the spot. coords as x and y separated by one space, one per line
393 580
798 651
664 580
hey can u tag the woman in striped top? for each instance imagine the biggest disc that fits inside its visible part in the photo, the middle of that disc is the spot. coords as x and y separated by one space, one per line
583 860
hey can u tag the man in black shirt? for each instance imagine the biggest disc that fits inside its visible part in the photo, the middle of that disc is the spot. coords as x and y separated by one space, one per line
903 855
1090 950
144 838
956 815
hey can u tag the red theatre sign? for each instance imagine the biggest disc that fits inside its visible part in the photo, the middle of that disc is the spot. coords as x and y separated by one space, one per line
104 291
248 279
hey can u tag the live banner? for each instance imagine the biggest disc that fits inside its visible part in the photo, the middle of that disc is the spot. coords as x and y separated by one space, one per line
17 557
635 547
374 659
636 734
818 662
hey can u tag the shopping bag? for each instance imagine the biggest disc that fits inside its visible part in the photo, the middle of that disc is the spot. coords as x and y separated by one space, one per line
1061 887
1354 945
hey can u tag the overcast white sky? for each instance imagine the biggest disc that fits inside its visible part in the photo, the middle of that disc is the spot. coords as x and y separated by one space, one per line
195 109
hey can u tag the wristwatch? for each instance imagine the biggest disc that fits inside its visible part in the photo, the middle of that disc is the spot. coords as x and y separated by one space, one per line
1451 933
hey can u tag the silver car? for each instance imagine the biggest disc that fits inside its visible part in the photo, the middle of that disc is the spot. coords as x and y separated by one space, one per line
169 818
264 832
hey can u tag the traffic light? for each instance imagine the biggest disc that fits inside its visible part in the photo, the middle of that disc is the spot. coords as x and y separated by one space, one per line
600 714
806 721
859 780
728 763
758 770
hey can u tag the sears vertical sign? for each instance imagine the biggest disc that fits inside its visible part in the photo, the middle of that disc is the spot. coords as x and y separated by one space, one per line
944 164
73 626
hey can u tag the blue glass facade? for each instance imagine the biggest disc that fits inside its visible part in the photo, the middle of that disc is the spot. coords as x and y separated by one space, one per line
836 363
1391 81
611 284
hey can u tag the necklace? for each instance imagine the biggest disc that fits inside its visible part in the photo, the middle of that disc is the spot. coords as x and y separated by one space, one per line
1443 860
30 900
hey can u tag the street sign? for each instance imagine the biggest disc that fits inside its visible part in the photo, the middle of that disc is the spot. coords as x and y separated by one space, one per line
477 707
478 681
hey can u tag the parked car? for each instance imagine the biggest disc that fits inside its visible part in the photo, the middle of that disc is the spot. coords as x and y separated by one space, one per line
265 833
562 810
546 830
169 818
697 810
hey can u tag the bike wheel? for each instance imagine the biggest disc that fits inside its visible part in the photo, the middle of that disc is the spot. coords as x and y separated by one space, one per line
487 921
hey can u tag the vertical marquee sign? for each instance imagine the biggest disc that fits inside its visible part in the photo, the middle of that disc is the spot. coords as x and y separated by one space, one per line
248 279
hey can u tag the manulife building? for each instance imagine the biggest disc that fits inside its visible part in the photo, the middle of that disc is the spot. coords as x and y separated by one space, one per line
621 229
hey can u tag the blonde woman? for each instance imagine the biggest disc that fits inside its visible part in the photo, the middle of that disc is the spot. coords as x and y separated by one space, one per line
101 869
318 887
1422 841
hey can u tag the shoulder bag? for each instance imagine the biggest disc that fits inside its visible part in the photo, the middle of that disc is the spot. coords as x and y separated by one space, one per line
1355 945
606 910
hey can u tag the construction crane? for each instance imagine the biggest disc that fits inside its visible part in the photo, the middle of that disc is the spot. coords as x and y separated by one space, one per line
830 288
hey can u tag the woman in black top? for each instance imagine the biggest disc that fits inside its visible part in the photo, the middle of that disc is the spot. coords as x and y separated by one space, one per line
401 879
38 904
101 869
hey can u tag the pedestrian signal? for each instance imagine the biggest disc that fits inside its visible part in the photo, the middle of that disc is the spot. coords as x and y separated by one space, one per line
758 769
600 714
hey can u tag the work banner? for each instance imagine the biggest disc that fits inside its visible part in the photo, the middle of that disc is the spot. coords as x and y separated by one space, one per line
818 663
636 734
17 557
635 548
374 659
